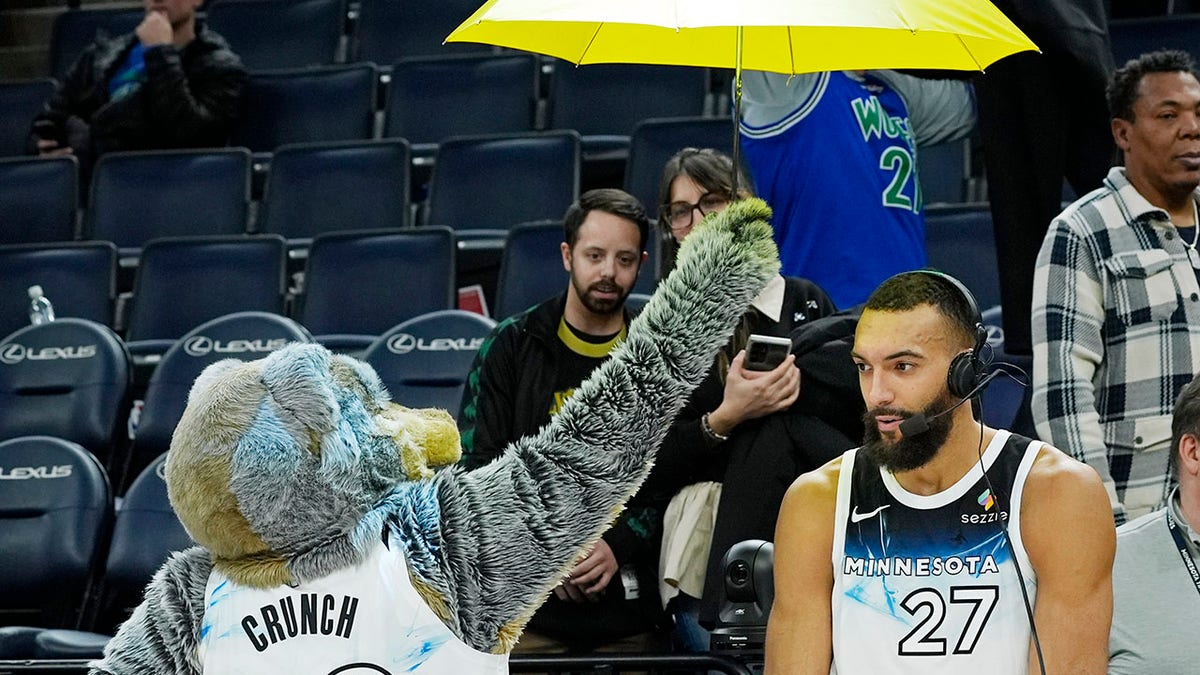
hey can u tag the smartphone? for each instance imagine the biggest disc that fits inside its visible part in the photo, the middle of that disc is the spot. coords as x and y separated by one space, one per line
764 352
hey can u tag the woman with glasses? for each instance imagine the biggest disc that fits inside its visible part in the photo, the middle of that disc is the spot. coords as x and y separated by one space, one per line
742 429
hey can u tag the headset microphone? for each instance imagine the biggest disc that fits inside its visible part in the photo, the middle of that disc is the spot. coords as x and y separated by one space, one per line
919 423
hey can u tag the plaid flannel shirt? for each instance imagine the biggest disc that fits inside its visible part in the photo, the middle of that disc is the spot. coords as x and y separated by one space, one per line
1116 336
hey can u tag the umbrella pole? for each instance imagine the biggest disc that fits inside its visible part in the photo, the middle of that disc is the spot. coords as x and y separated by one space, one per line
737 112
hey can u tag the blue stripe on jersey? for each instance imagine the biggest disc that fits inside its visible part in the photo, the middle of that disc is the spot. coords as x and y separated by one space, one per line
806 106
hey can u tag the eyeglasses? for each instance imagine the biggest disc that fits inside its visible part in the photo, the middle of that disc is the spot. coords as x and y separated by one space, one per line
680 214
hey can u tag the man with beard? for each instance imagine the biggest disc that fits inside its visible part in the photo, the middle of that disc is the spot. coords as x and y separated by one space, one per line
937 545
525 371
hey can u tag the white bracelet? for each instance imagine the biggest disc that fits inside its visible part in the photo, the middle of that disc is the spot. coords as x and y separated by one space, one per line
709 431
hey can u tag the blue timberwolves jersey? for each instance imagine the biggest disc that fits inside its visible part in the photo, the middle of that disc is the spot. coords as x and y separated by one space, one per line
840 175
926 584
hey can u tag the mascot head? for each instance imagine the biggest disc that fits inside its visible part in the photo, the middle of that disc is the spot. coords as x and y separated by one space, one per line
275 462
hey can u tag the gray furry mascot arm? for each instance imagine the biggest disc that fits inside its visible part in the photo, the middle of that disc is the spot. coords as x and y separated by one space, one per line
297 469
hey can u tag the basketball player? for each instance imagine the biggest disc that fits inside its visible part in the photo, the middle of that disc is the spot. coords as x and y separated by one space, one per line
902 556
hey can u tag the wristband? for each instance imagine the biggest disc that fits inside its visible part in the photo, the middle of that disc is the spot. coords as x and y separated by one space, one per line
708 430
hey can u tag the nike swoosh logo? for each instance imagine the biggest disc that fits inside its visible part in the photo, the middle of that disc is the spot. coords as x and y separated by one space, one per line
856 517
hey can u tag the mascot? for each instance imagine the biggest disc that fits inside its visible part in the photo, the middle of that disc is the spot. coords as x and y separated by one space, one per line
331 544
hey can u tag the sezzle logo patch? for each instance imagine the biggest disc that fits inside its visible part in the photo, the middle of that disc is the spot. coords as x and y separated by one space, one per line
13 353
35 472
203 346
987 501
404 343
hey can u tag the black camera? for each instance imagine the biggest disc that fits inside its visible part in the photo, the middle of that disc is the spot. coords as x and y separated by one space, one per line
749 580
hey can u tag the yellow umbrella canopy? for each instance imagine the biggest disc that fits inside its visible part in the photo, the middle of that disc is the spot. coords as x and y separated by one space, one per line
784 36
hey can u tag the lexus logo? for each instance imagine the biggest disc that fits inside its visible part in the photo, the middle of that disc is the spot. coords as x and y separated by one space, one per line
35 472
404 343
14 353
203 346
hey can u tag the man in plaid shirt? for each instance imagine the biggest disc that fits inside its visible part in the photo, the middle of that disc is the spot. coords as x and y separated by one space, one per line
1116 309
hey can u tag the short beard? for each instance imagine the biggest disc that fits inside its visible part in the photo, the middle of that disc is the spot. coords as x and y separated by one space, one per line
597 306
909 452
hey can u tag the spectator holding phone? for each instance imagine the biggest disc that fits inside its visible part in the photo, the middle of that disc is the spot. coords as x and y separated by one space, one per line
738 443
169 84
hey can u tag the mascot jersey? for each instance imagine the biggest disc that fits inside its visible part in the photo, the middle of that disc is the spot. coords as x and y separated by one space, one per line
926 584
357 621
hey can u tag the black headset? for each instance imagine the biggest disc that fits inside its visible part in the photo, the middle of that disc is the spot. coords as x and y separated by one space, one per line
966 369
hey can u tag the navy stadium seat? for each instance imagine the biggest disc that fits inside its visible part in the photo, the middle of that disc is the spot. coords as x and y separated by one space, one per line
389 30
55 515
138 196
359 284
326 187
960 242
80 278
492 182
75 29
183 282
38 199
67 378
146 532
433 98
1134 37
530 268
333 103
243 335
943 171
636 301
424 361
20 102
1004 397
280 33
604 102
647 279
144 535
654 141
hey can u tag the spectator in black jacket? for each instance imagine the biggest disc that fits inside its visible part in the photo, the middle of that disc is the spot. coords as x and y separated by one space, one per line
743 436
169 84
525 371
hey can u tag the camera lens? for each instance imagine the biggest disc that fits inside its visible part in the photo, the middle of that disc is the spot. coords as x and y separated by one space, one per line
739 572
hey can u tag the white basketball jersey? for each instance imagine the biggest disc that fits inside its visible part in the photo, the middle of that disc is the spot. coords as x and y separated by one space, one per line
366 620
927 584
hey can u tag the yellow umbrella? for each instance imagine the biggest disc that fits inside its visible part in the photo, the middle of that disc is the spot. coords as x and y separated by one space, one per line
783 36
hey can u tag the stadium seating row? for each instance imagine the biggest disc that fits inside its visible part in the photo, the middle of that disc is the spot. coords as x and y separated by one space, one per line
292 33
428 99
478 182
356 284
71 378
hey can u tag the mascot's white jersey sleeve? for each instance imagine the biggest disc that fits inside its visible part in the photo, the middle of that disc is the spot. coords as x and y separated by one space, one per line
362 620
927 584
